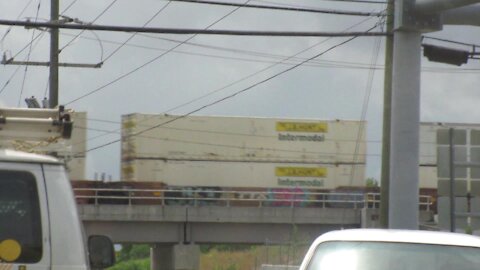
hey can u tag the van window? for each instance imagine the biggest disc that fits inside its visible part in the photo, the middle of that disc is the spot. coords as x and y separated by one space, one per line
20 214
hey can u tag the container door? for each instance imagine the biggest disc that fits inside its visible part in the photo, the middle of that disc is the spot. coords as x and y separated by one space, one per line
24 224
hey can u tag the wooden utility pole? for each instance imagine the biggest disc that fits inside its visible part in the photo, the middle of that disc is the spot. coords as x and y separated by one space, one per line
54 51
53 64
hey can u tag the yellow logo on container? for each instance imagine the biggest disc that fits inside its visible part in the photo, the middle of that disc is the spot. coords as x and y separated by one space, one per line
300 172
129 124
302 127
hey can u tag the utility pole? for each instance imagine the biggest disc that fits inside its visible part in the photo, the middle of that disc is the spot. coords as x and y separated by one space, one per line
411 19
54 51
53 64
387 115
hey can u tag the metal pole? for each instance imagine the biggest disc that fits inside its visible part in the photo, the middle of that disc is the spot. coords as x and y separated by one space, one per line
451 133
387 115
405 127
54 51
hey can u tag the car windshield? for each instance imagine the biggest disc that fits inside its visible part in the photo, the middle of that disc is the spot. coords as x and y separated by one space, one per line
343 255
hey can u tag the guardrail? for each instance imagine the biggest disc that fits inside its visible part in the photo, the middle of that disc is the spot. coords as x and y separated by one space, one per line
228 198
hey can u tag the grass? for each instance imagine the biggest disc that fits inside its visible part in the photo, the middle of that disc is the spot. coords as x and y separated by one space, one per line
225 258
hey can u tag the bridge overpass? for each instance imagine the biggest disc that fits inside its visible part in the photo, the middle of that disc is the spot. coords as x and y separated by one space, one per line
213 224
176 225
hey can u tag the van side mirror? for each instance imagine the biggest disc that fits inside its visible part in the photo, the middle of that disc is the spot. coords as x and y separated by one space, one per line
100 252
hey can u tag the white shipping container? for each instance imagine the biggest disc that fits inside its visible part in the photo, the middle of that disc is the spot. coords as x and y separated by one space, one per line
242 152
242 139
246 174
429 143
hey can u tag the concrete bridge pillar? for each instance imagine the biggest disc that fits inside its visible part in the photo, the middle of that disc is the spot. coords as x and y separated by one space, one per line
175 257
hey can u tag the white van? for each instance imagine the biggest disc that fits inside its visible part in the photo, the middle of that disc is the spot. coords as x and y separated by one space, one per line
39 225
373 249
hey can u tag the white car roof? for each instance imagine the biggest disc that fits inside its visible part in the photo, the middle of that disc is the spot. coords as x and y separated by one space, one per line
401 236
17 156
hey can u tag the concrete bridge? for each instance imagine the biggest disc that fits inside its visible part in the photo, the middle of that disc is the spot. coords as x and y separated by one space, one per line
175 231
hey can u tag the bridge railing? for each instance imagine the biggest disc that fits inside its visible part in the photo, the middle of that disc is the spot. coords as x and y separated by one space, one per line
227 198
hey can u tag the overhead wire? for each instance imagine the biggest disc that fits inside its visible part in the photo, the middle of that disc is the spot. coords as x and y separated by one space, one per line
260 71
18 67
148 62
366 101
345 1
191 31
232 95
36 39
216 132
28 56
135 33
169 139
251 75
451 41
94 20
314 63
69 6
283 8
21 50
363 115
18 17
163 54
176 140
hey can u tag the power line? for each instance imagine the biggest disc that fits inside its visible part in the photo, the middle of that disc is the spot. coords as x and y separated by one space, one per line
203 131
232 95
165 53
260 71
243 147
235 82
314 63
18 17
366 101
69 6
255 73
184 31
28 56
345 1
451 41
209 131
147 63
18 67
180 42
83 30
37 39
134 34
284 8
233 146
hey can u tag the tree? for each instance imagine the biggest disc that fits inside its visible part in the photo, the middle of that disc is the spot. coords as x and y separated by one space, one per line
371 182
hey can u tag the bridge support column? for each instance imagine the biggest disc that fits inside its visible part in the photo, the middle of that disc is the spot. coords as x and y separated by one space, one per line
177 257
370 218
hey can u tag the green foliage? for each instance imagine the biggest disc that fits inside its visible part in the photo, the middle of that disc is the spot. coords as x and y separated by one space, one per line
207 248
140 264
371 182
231 266
468 230
133 252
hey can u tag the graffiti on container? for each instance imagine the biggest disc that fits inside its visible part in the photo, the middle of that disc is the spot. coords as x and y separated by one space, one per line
288 197
192 195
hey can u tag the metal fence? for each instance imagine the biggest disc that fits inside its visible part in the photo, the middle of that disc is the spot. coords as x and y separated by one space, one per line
229 198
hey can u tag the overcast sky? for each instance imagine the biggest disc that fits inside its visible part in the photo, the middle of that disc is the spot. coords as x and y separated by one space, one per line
334 86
